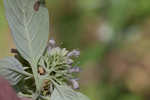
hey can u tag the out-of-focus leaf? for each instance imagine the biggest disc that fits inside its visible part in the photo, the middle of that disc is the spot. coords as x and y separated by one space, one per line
130 97
66 93
29 28
12 70
94 53
81 96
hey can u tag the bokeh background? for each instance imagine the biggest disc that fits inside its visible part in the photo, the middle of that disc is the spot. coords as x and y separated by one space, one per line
114 39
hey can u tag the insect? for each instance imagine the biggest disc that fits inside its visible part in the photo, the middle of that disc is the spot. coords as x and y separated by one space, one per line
37 4
41 70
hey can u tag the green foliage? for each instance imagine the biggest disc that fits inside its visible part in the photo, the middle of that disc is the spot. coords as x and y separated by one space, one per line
12 70
66 93
73 22
29 30
49 69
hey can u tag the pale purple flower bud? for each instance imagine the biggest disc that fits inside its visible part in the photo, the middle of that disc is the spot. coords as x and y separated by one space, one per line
52 42
49 49
75 53
75 84
51 45
74 70
69 61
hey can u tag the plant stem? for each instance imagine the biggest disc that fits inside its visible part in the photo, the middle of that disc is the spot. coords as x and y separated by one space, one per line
36 77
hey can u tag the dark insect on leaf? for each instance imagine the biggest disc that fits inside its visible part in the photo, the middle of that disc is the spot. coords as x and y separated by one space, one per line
19 57
14 51
36 5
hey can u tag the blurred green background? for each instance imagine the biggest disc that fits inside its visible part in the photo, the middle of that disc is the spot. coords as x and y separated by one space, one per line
114 39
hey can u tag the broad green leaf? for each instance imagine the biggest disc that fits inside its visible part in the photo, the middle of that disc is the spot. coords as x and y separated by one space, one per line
12 70
63 93
66 93
81 96
29 28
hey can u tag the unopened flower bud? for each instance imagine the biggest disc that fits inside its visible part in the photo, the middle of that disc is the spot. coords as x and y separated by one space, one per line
52 42
74 70
75 53
69 61
75 84
49 49
51 45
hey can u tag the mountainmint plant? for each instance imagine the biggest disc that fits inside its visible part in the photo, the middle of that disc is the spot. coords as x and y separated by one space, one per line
40 70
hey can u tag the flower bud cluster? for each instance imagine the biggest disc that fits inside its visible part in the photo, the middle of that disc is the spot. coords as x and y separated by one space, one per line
58 64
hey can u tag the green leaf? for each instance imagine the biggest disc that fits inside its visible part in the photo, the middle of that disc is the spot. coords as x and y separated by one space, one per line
12 70
81 96
29 28
66 93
